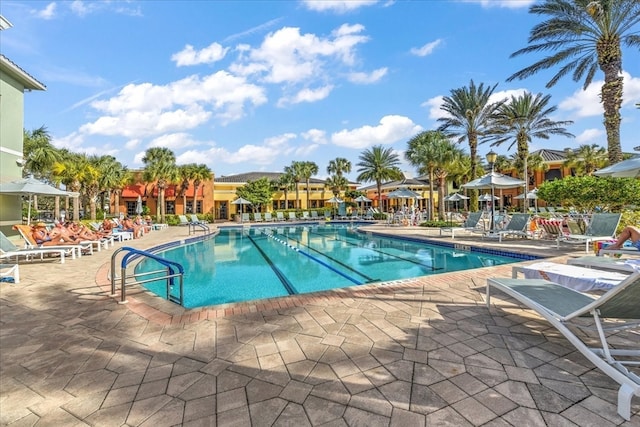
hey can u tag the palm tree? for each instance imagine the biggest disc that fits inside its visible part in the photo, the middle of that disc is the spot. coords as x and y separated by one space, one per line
336 184
586 159
584 35
201 172
39 155
522 118
431 152
378 164
308 170
110 178
339 166
70 171
286 183
469 116
296 171
160 166
185 174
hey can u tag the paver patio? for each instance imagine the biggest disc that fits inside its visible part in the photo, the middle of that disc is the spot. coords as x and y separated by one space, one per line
418 352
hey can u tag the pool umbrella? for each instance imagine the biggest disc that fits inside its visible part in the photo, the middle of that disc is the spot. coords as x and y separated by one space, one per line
455 197
492 181
139 205
403 193
361 200
625 169
29 187
240 201
335 200
531 195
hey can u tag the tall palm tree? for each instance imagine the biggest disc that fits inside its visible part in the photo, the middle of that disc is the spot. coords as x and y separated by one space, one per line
111 172
308 170
586 159
296 171
286 183
431 152
339 166
523 118
70 171
160 166
584 35
469 115
378 164
337 184
201 172
39 155
185 174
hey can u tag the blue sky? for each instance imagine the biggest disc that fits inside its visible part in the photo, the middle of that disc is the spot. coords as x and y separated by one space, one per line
254 85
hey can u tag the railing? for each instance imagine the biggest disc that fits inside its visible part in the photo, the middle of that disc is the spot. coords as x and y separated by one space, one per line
173 270
198 226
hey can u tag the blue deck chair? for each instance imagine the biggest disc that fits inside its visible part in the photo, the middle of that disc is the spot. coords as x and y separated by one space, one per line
560 305
183 220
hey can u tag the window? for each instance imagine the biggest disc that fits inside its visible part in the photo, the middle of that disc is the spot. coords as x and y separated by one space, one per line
170 207
189 207
131 208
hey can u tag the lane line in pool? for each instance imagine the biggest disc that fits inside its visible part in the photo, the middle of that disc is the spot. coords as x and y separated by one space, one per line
377 250
346 276
285 282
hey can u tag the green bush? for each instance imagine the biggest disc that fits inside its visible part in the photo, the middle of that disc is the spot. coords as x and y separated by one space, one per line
438 224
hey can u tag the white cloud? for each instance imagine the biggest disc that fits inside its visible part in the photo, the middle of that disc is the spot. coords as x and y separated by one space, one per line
208 157
364 78
189 56
306 95
509 4
132 143
79 8
143 110
173 141
391 129
591 136
48 12
315 135
427 49
586 103
337 6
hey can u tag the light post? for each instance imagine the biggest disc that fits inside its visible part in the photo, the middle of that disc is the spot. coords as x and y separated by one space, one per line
491 158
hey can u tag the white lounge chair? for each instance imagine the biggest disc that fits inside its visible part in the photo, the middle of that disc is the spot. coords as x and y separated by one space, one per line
471 224
601 227
572 276
10 271
292 216
606 263
268 217
257 217
183 220
196 220
9 250
279 216
560 305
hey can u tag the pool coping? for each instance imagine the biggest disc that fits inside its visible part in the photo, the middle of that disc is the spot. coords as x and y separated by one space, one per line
163 312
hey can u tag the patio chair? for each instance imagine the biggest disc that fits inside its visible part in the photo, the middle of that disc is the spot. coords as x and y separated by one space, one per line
246 217
10 272
257 217
601 227
196 220
79 248
314 216
279 216
606 263
292 216
552 229
560 306
305 215
471 224
9 250
268 217
516 227
183 220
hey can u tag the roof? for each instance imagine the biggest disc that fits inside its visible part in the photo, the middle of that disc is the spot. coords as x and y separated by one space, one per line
243 178
28 81
551 155
405 182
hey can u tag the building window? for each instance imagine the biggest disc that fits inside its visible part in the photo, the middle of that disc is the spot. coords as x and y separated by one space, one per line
189 207
131 208
170 207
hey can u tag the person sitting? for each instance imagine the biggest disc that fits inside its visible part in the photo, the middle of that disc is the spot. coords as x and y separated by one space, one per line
628 233
106 228
128 225
144 226
42 236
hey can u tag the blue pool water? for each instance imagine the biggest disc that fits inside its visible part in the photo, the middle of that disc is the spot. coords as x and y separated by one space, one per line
265 262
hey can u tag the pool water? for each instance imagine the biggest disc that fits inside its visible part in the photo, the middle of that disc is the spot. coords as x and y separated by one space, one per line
242 264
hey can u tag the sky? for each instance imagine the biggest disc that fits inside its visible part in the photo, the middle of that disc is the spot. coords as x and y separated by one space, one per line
246 86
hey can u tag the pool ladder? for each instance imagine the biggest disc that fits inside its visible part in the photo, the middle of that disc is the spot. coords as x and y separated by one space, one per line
172 269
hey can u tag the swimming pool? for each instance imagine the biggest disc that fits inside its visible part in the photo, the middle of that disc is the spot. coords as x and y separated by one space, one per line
243 264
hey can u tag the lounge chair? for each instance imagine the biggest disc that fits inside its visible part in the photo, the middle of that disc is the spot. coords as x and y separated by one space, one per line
257 217
246 217
560 305
606 263
196 220
9 250
10 272
305 215
602 227
572 276
516 227
268 217
279 216
471 224
80 248
314 216
183 220
552 229
292 216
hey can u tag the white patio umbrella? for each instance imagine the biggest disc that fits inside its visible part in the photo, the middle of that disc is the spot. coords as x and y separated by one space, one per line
625 169
492 181
139 205
531 195
31 186
240 201
361 200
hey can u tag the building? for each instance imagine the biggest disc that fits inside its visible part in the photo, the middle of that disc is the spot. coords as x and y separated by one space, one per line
14 82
